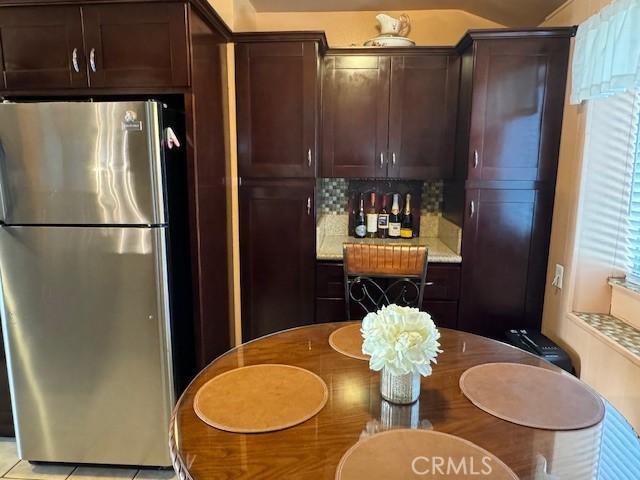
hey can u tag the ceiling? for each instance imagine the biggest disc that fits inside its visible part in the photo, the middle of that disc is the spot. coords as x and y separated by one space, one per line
513 13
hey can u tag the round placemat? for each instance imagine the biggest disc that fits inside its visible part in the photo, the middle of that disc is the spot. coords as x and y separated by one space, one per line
348 341
405 454
532 396
260 398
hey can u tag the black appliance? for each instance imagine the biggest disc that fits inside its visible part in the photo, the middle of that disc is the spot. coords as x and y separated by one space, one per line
535 342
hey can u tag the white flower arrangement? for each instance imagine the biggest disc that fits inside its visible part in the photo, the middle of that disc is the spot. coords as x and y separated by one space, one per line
402 339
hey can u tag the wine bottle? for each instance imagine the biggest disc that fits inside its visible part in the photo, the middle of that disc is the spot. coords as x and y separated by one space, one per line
372 217
406 229
360 222
394 218
383 219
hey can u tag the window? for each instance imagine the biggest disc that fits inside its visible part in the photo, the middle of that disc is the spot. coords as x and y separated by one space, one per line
634 218
609 236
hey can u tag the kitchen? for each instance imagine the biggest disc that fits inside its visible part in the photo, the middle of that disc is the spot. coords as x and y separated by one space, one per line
276 135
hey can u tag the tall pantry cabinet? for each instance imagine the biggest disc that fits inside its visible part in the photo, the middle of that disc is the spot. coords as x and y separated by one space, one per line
278 102
509 120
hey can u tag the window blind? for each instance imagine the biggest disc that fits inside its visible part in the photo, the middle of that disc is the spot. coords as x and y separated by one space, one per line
609 238
634 211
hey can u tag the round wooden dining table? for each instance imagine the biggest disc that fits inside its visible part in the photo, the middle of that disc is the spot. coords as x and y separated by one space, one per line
354 410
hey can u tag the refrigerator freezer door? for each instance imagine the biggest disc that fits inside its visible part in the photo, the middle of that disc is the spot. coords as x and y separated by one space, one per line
81 163
85 323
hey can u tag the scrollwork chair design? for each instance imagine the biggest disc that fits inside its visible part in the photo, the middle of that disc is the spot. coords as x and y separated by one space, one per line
376 275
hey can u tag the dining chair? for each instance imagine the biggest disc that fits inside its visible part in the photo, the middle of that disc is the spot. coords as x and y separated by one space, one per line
376 275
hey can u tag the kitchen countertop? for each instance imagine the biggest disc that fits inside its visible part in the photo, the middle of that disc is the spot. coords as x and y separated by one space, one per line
330 247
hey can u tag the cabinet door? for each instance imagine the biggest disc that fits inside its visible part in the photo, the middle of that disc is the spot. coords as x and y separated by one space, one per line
355 116
42 47
131 45
517 105
6 417
505 247
422 117
277 255
277 103
443 313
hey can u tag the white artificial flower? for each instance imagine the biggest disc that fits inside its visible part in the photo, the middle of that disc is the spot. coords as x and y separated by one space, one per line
402 339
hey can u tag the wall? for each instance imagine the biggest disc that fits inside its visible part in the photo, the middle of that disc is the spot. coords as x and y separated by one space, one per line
237 14
592 357
344 29
558 302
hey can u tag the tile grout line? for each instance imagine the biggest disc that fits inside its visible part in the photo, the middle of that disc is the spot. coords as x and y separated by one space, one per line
10 468
71 473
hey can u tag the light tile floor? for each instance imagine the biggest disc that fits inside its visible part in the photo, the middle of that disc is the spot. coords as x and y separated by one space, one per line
12 467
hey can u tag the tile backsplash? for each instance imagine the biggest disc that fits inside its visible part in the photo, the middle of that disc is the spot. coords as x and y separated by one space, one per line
333 197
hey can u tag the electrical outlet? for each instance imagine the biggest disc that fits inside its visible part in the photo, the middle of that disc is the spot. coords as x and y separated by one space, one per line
558 276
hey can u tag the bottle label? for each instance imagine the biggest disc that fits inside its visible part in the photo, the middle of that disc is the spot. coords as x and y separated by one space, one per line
383 221
394 229
372 222
406 233
361 231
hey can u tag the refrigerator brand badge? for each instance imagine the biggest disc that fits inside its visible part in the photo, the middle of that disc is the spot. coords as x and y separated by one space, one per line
131 122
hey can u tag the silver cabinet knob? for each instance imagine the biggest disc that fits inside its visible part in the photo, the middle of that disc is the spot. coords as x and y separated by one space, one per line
92 59
393 159
308 205
472 208
475 158
74 60
381 159
309 157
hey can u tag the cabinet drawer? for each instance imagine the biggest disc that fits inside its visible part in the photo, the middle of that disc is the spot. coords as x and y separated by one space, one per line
330 280
444 314
443 282
330 310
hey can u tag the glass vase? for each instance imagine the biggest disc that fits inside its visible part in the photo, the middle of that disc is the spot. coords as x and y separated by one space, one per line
400 389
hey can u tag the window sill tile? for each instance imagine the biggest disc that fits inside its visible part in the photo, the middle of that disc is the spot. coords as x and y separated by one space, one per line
622 336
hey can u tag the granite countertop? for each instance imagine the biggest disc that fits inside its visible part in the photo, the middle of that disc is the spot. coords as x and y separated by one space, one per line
330 247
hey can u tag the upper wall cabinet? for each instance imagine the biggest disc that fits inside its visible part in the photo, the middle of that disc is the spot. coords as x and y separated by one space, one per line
136 45
390 115
422 116
99 45
277 107
355 116
516 108
42 47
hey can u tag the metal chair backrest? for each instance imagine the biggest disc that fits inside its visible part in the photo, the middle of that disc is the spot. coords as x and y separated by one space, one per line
376 275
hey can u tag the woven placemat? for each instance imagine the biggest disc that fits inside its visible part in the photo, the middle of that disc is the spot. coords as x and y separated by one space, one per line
260 398
348 341
406 454
532 396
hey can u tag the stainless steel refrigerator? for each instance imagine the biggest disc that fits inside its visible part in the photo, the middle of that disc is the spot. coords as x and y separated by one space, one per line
85 281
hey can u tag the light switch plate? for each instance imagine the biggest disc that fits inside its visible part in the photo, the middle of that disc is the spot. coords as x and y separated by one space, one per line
558 276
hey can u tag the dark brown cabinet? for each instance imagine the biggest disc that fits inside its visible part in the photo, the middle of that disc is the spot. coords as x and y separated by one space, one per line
277 255
6 417
422 115
136 45
516 111
355 116
510 115
98 45
505 245
277 108
390 115
42 47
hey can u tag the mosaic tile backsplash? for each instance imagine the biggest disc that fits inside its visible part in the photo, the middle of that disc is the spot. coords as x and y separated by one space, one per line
333 196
